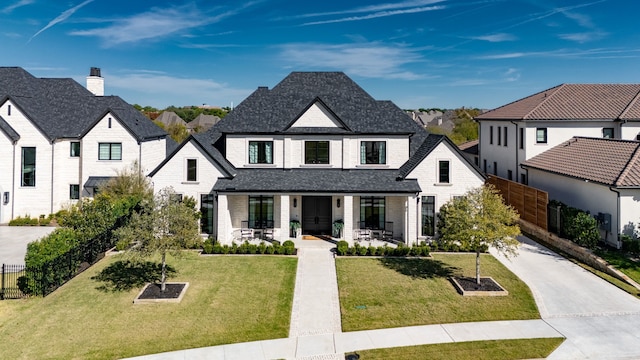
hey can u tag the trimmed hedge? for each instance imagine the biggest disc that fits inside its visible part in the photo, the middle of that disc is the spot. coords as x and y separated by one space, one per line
210 246
343 249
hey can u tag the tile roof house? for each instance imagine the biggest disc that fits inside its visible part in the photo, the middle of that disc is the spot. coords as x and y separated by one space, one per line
317 148
57 138
518 131
593 174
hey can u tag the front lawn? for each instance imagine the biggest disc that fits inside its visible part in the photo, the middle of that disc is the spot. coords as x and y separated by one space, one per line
473 350
393 292
230 299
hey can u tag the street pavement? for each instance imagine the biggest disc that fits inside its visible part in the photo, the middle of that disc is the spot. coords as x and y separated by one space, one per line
14 240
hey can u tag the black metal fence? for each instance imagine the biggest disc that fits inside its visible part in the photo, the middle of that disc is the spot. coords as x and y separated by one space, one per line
20 281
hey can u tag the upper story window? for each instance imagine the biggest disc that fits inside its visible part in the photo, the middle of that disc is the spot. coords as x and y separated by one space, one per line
75 149
316 152
521 138
192 170
541 135
8 110
373 152
29 166
260 152
443 171
490 134
506 135
110 151
607 133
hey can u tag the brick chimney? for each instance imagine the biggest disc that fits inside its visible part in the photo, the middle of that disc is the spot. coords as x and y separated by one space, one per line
95 82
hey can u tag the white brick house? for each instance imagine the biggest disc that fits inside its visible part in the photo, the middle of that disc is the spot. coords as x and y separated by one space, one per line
58 140
317 148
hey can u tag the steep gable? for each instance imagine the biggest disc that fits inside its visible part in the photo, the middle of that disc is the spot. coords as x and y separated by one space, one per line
317 116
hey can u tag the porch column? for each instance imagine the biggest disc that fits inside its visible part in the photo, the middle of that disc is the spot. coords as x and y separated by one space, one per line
411 216
347 208
223 225
284 219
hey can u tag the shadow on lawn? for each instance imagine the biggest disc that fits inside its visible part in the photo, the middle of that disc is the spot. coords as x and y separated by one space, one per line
124 275
420 268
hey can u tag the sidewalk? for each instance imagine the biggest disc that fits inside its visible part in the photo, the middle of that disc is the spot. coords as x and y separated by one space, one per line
316 333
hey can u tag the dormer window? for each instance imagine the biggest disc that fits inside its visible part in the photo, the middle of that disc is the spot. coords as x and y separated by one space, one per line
373 152
260 152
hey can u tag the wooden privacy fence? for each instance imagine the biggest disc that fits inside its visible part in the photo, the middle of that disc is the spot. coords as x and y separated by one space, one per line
529 202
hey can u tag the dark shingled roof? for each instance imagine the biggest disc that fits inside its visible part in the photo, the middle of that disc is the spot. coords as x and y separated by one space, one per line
273 111
8 130
317 180
609 162
62 108
574 102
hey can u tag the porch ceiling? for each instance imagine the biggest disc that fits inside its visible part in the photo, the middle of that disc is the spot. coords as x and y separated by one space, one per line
317 180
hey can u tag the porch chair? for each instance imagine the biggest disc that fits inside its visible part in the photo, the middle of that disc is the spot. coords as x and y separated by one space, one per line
387 233
364 233
246 233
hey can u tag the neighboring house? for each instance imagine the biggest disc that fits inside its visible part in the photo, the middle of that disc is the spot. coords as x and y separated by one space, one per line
516 132
59 141
598 175
470 151
434 118
317 148
202 123
169 118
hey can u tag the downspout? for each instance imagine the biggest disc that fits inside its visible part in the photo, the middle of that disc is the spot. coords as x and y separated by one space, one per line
618 245
517 150
53 157
139 158
13 182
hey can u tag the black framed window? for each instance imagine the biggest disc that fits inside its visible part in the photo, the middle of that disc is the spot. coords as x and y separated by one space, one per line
521 138
541 135
192 170
607 133
260 212
74 150
260 152
372 212
29 166
495 168
444 175
509 175
491 135
506 135
110 151
74 191
428 216
373 152
316 152
206 213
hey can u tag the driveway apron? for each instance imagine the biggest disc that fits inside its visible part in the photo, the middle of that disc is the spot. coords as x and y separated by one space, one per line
599 320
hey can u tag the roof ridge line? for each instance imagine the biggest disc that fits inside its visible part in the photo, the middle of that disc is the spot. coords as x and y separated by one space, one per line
546 98
629 105
627 167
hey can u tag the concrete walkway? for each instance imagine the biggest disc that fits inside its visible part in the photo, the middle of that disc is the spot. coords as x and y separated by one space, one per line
599 320
14 240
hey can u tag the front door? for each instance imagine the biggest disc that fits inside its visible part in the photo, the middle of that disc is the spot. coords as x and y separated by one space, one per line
316 215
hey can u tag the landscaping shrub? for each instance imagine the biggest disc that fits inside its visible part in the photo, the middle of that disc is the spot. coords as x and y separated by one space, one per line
629 244
342 247
210 246
577 225
24 221
289 243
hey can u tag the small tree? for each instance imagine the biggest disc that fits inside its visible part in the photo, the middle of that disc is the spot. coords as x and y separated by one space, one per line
479 219
164 225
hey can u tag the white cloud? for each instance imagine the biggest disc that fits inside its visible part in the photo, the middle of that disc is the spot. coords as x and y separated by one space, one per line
502 56
583 37
157 23
371 60
378 15
369 8
500 37
20 3
512 75
62 17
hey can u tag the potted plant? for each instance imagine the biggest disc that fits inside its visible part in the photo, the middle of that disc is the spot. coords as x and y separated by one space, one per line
294 226
338 225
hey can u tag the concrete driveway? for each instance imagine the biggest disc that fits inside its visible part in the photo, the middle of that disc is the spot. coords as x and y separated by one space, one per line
14 240
599 320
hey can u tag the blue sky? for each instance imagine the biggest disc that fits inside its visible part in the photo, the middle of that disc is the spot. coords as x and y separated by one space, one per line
417 53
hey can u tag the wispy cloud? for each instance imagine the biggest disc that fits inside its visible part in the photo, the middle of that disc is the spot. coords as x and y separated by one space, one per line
157 23
20 3
372 60
62 17
598 53
368 9
583 37
511 75
378 14
501 37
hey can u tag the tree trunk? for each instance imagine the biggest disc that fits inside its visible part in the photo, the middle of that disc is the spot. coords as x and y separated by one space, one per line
478 266
163 281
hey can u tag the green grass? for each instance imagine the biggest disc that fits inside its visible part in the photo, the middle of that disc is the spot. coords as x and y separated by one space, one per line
474 350
622 262
408 292
230 299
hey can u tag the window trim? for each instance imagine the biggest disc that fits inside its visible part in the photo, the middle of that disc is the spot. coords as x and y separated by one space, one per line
73 191
316 157
71 146
31 183
188 169
424 203
111 147
268 157
444 177
264 217
375 202
381 152
541 131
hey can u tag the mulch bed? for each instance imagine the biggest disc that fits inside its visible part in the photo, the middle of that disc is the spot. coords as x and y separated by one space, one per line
486 284
152 291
